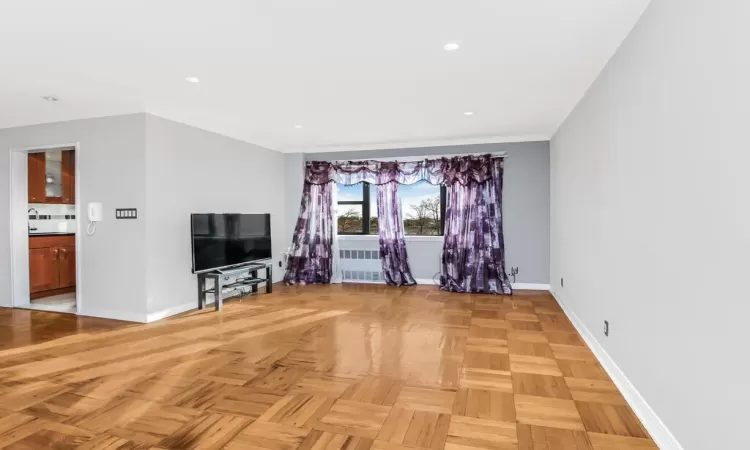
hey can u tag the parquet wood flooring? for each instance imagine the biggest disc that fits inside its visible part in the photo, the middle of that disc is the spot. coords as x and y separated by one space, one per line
347 367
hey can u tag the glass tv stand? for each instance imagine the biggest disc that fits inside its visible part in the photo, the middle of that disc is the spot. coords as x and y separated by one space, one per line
244 281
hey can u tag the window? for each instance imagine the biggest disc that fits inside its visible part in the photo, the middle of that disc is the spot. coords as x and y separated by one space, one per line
422 208
354 204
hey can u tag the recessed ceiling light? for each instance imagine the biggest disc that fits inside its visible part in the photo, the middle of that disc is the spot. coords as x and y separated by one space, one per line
51 98
451 46
298 126
469 113
192 80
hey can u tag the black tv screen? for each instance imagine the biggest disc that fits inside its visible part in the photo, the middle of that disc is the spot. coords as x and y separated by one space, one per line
224 240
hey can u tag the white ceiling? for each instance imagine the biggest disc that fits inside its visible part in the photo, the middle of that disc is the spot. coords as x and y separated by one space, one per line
353 73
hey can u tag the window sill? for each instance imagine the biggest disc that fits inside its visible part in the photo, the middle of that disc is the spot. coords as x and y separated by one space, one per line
424 238
374 237
358 237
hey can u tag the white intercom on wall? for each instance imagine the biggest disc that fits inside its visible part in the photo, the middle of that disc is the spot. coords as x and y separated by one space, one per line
95 215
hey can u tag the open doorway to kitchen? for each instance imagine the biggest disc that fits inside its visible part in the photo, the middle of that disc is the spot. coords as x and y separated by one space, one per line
45 229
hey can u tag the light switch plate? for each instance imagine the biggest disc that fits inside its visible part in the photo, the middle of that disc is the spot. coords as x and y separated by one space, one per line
126 213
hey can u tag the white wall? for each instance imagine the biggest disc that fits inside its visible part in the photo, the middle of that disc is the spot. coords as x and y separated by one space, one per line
189 170
111 170
651 215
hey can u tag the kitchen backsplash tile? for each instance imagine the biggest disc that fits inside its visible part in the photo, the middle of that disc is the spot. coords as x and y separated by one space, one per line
52 226
52 218
48 209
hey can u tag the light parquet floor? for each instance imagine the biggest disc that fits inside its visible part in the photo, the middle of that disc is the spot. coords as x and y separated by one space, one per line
352 367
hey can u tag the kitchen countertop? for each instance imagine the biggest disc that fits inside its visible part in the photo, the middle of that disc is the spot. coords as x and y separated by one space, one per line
52 233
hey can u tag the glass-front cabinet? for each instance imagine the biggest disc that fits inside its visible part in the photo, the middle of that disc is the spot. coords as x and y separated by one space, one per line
53 185
51 176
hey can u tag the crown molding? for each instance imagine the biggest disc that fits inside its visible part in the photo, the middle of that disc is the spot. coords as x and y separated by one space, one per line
418 144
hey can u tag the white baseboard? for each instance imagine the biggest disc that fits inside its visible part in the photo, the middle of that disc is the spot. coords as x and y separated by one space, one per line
427 281
111 314
531 286
134 317
158 315
658 430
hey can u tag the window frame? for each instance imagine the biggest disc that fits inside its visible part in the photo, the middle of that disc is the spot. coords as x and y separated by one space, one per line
365 203
443 196
443 201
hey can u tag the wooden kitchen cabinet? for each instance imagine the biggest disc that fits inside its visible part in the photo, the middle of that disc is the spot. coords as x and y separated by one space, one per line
43 272
37 178
52 265
69 177
67 263
59 167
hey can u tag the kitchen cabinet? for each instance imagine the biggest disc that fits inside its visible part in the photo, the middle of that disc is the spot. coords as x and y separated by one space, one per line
43 273
51 177
69 177
67 263
37 178
52 265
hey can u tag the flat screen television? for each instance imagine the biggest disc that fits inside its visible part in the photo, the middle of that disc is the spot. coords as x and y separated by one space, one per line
224 240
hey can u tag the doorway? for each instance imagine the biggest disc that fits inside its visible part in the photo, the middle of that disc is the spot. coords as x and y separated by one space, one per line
45 228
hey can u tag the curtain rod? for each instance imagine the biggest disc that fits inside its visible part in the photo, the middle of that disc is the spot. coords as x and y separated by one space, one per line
499 154
422 158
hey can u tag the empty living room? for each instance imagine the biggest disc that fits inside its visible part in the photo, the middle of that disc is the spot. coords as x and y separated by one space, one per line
390 225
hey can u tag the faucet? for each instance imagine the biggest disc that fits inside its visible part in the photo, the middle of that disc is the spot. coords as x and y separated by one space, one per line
36 216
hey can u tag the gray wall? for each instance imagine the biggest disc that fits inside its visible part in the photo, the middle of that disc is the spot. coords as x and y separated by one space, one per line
189 170
136 268
526 206
294 172
650 215
112 168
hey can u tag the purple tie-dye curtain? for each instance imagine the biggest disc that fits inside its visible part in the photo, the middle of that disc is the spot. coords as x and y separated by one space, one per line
311 257
435 171
473 246
391 236
473 249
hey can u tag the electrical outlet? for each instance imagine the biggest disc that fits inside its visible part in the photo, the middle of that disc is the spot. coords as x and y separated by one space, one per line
562 282
606 327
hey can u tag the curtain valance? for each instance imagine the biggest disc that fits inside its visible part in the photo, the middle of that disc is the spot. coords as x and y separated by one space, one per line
447 171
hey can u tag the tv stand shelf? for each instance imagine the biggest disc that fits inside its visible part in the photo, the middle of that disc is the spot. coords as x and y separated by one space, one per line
247 281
